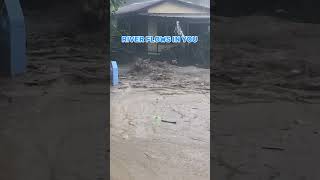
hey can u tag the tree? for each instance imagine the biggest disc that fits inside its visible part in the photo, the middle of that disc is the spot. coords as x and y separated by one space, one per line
115 4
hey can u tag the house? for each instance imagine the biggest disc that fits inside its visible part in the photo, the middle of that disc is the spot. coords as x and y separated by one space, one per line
159 18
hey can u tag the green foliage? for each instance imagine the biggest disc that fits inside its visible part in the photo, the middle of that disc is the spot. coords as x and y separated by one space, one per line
115 4
115 33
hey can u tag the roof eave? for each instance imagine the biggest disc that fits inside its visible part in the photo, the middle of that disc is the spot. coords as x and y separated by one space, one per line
160 2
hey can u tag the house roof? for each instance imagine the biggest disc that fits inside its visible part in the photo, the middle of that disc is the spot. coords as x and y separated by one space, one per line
205 3
193 16
134 7
140 7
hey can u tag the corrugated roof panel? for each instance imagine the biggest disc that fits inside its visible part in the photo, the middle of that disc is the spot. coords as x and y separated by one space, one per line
179 15
136 6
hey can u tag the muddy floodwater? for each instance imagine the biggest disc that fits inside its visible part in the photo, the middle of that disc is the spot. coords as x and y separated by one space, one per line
160 130
266 105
